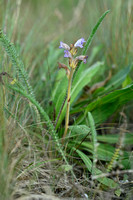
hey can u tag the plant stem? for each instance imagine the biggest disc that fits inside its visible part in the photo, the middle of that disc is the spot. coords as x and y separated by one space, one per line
68 103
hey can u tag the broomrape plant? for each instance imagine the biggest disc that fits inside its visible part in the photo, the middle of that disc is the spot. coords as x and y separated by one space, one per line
70 52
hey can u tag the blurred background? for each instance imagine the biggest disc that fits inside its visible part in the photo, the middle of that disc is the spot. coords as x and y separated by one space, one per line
37 26
44 21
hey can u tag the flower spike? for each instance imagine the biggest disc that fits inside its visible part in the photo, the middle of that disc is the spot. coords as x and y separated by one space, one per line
70 52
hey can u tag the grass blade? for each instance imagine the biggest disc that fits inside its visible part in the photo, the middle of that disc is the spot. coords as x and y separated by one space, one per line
106 181
79 68
93 32
94 138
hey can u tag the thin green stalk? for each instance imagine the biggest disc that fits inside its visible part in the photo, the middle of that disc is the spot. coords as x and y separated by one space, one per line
68 102
94 139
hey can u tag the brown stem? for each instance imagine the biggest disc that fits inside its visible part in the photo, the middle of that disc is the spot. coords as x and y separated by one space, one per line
68 103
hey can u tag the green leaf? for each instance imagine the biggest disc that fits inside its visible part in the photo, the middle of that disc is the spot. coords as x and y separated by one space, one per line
113 138
79 129
65 168
114 83
104 151
85 158
118 79
85 78
83 130
93 32
79 132
80 67
118 192
94 137
60 94
105 106
127 81
106 181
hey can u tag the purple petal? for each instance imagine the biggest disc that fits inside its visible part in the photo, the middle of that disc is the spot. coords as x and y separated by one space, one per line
64 46
84 61
80 43
83 58
67 54
60 47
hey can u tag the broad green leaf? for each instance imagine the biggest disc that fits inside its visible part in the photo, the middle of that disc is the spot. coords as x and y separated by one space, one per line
82 131
127 81
85 78
106 181
105 106
86 159
114 83
104 151
59 94
118 79
113 138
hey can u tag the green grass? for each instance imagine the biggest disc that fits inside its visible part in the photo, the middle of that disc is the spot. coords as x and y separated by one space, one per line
33 159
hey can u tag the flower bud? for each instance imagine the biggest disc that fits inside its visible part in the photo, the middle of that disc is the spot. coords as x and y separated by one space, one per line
83 58
64 46
63 66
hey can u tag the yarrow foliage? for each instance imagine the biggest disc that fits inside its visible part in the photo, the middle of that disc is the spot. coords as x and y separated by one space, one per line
71 51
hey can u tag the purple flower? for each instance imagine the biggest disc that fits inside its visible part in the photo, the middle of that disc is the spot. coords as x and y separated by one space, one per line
64 46
67 54
83 58
80 43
